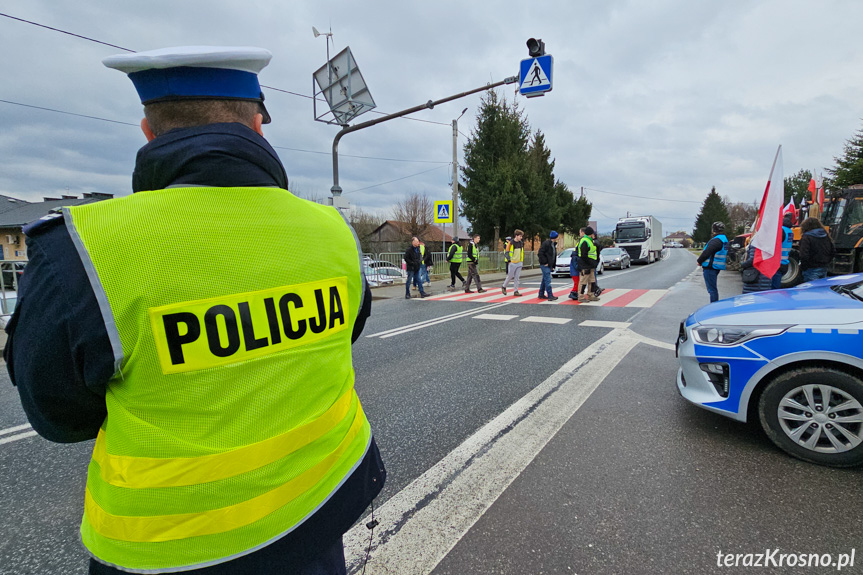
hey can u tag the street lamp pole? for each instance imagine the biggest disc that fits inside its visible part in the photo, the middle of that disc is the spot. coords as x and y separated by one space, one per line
455 174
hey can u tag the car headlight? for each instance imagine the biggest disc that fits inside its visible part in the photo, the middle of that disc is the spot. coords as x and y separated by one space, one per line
733 334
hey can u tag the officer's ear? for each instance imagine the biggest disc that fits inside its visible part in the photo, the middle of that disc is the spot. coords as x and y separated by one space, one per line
258 124
145 127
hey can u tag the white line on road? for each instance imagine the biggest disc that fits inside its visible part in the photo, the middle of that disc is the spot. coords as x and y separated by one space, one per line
648 299
14 429
12 438
434 321
424 521
497 316
611 324
429 321
541 319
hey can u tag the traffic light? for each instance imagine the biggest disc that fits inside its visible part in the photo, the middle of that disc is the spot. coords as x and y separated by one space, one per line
535 47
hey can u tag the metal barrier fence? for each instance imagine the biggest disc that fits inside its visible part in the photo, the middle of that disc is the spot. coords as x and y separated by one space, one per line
10 272
488 262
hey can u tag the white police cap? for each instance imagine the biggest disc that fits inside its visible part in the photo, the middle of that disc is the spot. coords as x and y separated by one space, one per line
195 73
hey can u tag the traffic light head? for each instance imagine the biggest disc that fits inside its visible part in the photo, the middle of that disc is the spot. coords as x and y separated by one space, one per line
535 47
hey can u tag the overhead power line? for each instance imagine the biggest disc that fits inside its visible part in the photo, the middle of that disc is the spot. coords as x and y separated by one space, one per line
133 51
69 113
643 197
280 147
391 181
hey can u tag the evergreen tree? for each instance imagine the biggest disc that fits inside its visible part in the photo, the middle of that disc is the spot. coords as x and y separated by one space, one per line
797 186
849 168
712 210
544 207
496 172
574 213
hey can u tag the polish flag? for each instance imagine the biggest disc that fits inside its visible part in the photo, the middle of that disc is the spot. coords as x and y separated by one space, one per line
768 229
791 209
813 187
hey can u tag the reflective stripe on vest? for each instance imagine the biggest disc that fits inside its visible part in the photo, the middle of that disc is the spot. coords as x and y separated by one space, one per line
719 257
515 255
215 442
787 237
457 254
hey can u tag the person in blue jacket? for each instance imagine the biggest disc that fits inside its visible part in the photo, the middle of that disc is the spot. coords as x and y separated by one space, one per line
712 259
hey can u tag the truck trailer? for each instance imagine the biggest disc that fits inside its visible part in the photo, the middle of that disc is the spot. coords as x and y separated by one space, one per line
641 237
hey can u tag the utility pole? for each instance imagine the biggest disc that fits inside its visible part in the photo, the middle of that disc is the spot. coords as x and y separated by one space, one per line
455 175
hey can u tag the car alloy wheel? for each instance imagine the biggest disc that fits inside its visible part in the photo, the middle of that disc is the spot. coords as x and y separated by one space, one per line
815 414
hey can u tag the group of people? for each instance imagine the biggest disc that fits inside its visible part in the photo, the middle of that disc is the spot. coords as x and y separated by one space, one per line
583 264
815 252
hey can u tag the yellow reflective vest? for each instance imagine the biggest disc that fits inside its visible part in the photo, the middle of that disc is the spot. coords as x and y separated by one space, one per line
232 414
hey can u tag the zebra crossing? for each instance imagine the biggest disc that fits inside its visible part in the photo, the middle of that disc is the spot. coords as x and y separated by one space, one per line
611 297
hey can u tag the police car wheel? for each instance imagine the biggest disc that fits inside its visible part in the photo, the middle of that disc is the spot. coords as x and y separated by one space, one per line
815 414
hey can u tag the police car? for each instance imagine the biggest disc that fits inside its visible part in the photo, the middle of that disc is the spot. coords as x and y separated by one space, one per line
791 358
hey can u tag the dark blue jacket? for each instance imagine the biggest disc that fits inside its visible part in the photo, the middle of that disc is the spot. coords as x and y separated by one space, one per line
58 353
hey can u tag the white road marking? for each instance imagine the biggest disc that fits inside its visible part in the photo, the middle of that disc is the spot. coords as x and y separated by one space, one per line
434 321
648 299
541 319
14 429
424 521
12 438
608 296
611 324
498 316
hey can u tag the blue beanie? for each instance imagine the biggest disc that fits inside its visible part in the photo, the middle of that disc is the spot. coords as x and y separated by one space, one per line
553 234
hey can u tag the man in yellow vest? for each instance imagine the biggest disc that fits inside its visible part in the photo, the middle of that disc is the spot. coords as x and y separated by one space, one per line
229 437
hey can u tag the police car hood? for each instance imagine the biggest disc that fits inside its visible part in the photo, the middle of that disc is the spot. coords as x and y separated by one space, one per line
813 303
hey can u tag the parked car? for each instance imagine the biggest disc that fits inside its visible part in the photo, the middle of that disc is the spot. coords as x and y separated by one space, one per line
561 267
12 272
375 279
388 272
615 258
792 359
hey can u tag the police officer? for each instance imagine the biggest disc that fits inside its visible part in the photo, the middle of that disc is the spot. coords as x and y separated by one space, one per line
712 259
229 438
787 238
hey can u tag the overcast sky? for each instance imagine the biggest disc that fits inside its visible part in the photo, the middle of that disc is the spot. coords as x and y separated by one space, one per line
664 98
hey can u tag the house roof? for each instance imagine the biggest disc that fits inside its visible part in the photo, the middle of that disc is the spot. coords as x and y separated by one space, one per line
431 233
22 215
8 203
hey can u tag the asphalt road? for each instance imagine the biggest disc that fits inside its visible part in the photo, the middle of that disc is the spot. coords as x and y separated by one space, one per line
518 446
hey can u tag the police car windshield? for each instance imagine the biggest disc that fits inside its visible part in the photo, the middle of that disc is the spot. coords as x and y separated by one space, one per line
854 290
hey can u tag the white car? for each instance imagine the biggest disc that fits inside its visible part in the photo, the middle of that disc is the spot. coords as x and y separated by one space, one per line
386 273
561 268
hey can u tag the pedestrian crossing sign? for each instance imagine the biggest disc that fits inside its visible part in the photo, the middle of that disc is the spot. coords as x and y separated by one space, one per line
443 212
534 77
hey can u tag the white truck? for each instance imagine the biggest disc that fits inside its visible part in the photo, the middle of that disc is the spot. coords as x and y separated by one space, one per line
641 237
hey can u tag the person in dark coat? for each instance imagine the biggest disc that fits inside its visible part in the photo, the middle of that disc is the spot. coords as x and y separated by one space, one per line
547 261
753 279
413 262
816 250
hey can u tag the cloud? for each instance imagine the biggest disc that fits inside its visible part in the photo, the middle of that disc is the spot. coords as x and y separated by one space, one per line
661 99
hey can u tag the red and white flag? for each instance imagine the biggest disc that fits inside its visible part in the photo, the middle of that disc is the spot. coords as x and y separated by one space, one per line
791 209
768 229
813 189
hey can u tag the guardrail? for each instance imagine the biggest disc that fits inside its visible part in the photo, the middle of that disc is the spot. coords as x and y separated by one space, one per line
488 262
